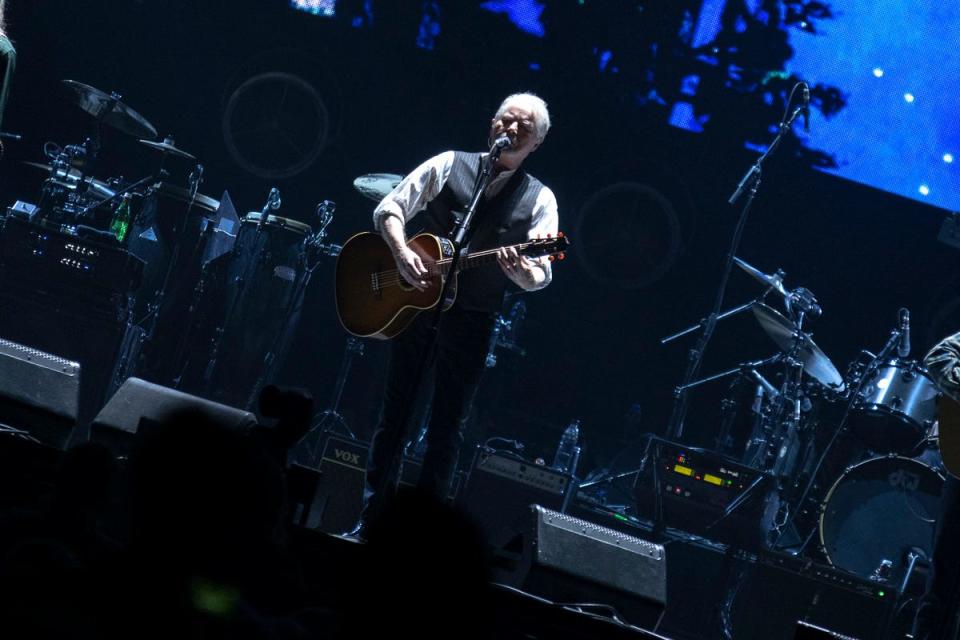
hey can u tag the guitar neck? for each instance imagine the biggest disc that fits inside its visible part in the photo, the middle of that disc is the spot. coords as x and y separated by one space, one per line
476 259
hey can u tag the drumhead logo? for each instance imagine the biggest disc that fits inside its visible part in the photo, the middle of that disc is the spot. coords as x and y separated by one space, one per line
900 479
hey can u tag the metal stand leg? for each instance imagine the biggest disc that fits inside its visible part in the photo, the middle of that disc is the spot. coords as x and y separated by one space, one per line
307 451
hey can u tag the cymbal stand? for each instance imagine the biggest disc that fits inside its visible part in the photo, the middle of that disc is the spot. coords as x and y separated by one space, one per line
749 185
330 420
798 505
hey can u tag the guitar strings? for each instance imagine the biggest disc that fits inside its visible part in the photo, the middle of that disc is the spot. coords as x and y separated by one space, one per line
392 277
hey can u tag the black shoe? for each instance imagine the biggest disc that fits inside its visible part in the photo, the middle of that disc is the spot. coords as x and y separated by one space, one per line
927 621
357 534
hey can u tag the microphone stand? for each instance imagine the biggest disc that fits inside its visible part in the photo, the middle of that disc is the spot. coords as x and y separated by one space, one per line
392 439
749 184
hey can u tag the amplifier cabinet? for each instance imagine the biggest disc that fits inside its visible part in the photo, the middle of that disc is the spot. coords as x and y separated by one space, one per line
39 393
500 489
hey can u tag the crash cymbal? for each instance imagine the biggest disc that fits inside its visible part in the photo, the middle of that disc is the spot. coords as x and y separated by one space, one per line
774 281
167 146
71 179
108 109
377 185
782 331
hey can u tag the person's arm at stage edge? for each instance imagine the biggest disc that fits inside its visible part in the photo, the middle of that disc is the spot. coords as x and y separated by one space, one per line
943 364
410 196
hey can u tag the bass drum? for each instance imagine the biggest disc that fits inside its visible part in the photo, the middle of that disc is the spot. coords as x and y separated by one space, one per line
879 510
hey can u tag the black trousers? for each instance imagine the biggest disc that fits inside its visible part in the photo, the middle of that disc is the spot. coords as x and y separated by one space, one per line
459 360
945 586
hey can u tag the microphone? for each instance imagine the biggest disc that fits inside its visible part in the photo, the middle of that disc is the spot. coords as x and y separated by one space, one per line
273 200
903 347
501 143
806 107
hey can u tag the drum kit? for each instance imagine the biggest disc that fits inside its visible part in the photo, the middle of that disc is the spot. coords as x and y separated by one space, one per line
219 296
854 455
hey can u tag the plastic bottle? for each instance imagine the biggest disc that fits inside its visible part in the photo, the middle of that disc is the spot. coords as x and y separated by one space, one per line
567 450
120 225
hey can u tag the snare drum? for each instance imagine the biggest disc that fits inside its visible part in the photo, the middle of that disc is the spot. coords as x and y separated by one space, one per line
878 510
897 406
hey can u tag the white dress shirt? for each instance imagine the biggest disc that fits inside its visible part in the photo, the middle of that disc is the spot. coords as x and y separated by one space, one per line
425 182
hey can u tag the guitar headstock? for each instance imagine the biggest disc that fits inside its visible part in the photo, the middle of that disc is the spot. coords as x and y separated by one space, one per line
551 246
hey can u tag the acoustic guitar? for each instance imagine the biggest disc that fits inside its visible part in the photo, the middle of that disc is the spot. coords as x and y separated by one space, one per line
373 299
948 417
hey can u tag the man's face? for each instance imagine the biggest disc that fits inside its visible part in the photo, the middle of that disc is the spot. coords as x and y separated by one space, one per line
518 124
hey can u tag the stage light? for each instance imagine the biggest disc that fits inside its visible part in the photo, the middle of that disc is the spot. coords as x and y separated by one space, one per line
327 8
878 72
909 97
924 190
948 158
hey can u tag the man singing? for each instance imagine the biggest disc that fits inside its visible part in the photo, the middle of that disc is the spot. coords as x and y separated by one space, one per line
515 207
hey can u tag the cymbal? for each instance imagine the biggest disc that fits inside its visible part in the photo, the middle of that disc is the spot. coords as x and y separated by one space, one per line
376 186
167 146
71 178
774 281
109 110
781 331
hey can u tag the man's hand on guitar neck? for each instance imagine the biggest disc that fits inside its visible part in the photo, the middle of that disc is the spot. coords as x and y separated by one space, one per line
523 271
409 264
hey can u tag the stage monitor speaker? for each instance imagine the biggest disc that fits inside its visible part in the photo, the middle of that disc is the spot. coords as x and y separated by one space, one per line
39 393
569 560
502 486
807 631
136 400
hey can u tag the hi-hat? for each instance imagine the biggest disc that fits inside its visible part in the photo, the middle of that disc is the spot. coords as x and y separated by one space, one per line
70 179
109 110
167 146
774 281
376 186
782 332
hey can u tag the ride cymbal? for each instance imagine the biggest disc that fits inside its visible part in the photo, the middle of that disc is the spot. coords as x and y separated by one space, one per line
167 146
782 331
376 186
774 281
108 109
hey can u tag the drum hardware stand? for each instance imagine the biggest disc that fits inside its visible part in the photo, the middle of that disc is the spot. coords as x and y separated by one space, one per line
325 211
122 192
888 349
330 420
749 184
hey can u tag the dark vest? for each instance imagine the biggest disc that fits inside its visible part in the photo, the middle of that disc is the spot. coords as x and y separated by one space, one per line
501 220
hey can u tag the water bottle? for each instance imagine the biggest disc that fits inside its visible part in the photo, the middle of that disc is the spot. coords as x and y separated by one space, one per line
120 224
567 450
